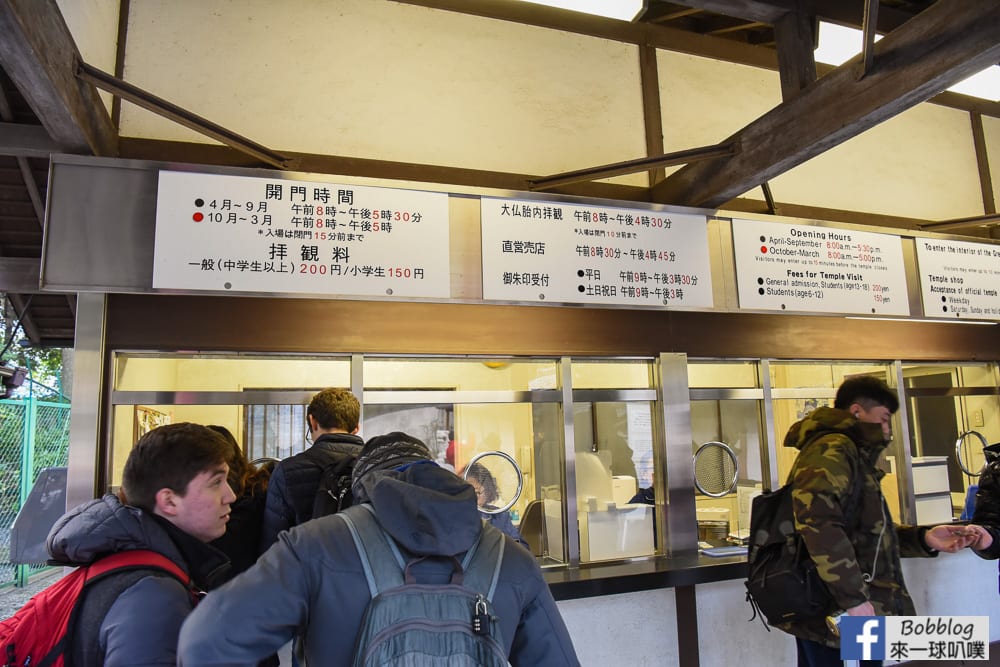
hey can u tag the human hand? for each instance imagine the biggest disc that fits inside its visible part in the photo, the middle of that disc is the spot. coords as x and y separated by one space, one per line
981 538
863 609
949 538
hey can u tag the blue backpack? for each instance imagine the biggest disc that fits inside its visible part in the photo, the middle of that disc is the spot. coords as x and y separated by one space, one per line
425 625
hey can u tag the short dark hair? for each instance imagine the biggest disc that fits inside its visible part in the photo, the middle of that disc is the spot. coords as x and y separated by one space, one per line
867 391
169 457
335 408
481 474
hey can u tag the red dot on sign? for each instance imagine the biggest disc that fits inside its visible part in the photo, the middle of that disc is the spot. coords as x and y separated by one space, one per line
763 248
198 217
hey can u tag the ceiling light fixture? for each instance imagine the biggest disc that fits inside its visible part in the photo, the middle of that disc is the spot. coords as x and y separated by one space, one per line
838 44
623 10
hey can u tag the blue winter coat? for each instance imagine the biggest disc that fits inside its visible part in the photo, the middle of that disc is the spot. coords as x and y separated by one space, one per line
312 583
142 626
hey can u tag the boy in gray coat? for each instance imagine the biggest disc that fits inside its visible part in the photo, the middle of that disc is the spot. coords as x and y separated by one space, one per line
177 500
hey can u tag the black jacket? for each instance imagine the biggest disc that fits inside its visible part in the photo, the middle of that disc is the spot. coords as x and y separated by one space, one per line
242 539
987 512
294 481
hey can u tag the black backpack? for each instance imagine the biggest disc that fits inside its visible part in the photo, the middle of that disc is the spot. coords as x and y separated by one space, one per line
782 583
334 491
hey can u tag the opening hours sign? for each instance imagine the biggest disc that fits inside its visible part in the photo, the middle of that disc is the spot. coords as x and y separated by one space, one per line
818 269
246 234
577 253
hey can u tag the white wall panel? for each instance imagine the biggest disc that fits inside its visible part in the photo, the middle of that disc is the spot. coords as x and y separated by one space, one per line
94 26
382 80
704 101
727 637
919 164
634 629
991 131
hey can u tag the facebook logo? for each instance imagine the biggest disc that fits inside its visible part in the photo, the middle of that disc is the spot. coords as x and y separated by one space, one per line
862 637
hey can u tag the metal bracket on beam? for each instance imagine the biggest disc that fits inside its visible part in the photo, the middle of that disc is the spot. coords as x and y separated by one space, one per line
961 223
769 198
162 107
633 166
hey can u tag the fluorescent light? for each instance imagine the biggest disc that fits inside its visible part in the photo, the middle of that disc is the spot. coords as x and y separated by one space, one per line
624 10
838 44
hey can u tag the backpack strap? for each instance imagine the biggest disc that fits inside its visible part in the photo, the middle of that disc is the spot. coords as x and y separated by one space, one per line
373 545
483 561
106 580
137 558
385 567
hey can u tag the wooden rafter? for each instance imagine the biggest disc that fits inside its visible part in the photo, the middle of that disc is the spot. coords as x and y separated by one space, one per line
939 47
38 53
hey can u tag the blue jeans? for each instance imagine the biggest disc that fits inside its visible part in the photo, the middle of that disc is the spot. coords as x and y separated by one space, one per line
813 654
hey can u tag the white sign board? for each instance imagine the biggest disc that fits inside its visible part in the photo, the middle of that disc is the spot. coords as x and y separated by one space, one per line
959 279
818 269
246 234
576 253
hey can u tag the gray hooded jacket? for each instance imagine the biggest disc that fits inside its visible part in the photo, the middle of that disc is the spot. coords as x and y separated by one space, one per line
311 582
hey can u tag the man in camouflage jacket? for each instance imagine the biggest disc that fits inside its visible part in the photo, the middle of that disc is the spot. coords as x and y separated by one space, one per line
857 556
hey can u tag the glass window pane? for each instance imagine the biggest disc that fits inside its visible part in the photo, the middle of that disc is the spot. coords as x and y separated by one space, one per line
528 433
803 375
732 374
616 374
228 372
611 438
949 412
736 424
460 375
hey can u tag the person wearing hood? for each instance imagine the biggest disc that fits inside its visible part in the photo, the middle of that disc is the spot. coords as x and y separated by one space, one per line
315 586
174 499
847 528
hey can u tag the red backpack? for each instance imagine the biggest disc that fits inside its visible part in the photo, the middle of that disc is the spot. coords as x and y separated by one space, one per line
39 633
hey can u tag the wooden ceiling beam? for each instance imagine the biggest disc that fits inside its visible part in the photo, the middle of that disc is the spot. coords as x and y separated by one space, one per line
764 11
649 34
38 53
795 40
19 274
939 47
20 305
20 140
853 13
662 12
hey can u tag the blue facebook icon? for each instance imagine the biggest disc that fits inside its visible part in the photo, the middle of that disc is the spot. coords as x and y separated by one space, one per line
862 637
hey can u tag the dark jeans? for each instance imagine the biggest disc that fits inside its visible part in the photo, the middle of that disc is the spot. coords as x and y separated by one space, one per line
813 654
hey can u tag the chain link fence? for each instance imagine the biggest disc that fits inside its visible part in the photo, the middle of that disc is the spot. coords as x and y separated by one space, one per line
34 435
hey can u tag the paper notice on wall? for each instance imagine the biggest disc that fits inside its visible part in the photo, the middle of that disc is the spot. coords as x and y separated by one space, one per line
247 234
808 268
959 279
578 253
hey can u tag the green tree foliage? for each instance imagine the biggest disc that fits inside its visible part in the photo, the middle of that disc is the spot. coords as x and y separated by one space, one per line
44 364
